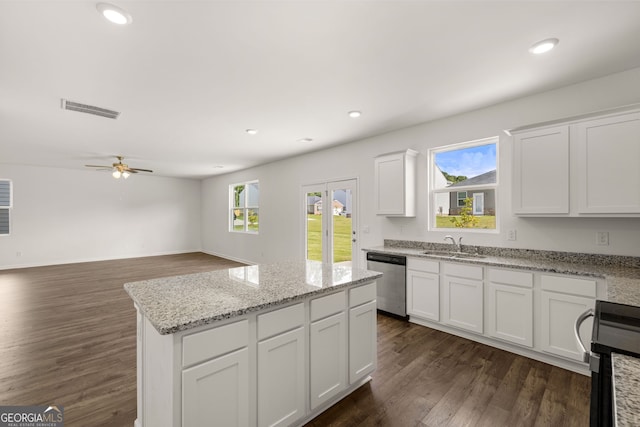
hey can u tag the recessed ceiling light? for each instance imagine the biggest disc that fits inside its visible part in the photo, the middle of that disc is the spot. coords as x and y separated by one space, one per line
354 114
543 46
251 131
306 140
114 14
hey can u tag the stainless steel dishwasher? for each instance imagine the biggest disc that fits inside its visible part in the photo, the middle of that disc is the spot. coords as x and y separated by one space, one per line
392 288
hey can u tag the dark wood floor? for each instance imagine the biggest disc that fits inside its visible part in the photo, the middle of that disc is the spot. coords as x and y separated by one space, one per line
67 337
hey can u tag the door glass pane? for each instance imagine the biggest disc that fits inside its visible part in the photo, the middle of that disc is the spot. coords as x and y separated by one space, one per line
314 226
341 212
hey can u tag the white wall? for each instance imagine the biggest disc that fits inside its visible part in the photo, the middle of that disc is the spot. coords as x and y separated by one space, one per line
62 216
281 200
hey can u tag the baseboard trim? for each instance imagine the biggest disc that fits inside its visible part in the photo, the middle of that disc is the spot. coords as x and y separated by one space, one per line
225 256
96 259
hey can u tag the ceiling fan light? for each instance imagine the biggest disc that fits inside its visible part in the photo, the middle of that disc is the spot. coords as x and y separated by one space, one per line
125 174
116 173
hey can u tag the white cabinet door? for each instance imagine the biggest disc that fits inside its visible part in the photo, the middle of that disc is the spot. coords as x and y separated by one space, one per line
395 186
462 303
423 294
558 316
510 314
362 341
281 379
216 393
608 173
541 172
328 358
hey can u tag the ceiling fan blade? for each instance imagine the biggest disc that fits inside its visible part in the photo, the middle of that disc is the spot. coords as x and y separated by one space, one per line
98 166
140 170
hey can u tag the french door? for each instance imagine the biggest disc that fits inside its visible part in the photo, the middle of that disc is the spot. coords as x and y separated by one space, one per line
330 210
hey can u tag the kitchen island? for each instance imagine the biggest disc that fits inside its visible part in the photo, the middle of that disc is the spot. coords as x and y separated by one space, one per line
258 345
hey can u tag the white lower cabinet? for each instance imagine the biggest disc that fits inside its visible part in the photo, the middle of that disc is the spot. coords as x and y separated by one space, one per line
362 338
563 300
328 358
281 379
529 313
216 392
423 289
510 306
281 366
462 297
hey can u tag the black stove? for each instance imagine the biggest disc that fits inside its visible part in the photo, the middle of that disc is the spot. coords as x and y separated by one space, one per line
616 329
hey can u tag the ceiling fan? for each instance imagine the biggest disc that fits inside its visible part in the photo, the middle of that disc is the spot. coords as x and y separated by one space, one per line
120 169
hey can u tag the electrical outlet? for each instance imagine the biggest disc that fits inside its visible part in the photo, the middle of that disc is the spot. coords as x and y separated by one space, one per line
602 238
18 254
512 235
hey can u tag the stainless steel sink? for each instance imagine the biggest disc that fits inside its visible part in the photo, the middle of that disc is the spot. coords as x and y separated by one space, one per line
451 254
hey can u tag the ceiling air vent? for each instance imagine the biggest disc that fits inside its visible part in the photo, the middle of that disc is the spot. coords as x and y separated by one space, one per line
89 109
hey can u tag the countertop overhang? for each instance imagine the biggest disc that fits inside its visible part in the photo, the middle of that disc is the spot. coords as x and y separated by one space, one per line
178 303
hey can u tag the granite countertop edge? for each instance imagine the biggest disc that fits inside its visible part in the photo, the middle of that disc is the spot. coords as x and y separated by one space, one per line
623 282
167 328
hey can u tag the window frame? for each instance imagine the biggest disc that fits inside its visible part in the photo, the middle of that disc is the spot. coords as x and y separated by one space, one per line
469 189
245 208
9 207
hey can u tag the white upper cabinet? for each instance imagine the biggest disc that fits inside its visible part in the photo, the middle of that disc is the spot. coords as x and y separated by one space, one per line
395 184
585 166
541 171
608 173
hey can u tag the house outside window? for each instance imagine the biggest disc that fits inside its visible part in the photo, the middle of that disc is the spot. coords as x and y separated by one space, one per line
463 186
5 207
244 207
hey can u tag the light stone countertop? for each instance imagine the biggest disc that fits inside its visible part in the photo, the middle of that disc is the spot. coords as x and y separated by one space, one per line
179 303
621 273
626 390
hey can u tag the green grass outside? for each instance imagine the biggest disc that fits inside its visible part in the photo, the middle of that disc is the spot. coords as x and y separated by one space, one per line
484 222
341 238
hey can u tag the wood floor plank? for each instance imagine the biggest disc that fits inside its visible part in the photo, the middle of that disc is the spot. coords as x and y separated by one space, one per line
67 336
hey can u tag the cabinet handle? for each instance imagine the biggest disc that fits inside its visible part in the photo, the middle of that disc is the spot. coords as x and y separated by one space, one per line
576 330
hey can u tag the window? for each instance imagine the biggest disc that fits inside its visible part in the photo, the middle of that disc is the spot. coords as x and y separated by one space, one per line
5 206
244 215
463 184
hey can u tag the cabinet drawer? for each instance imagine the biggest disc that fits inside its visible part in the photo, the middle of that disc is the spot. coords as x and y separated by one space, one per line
428 266
278 321
569 285
362 294
326 306
461 270
214 342
511 277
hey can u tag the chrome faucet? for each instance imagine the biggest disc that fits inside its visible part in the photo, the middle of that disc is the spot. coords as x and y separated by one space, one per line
456 246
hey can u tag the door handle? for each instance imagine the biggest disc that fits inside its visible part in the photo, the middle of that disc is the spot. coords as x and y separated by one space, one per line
576 330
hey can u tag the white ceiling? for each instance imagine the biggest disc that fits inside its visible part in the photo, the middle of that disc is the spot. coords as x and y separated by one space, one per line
190 76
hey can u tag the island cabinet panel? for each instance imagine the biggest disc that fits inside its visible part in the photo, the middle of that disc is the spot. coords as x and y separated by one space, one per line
216 393
281 379
362 341
328 358
214 342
